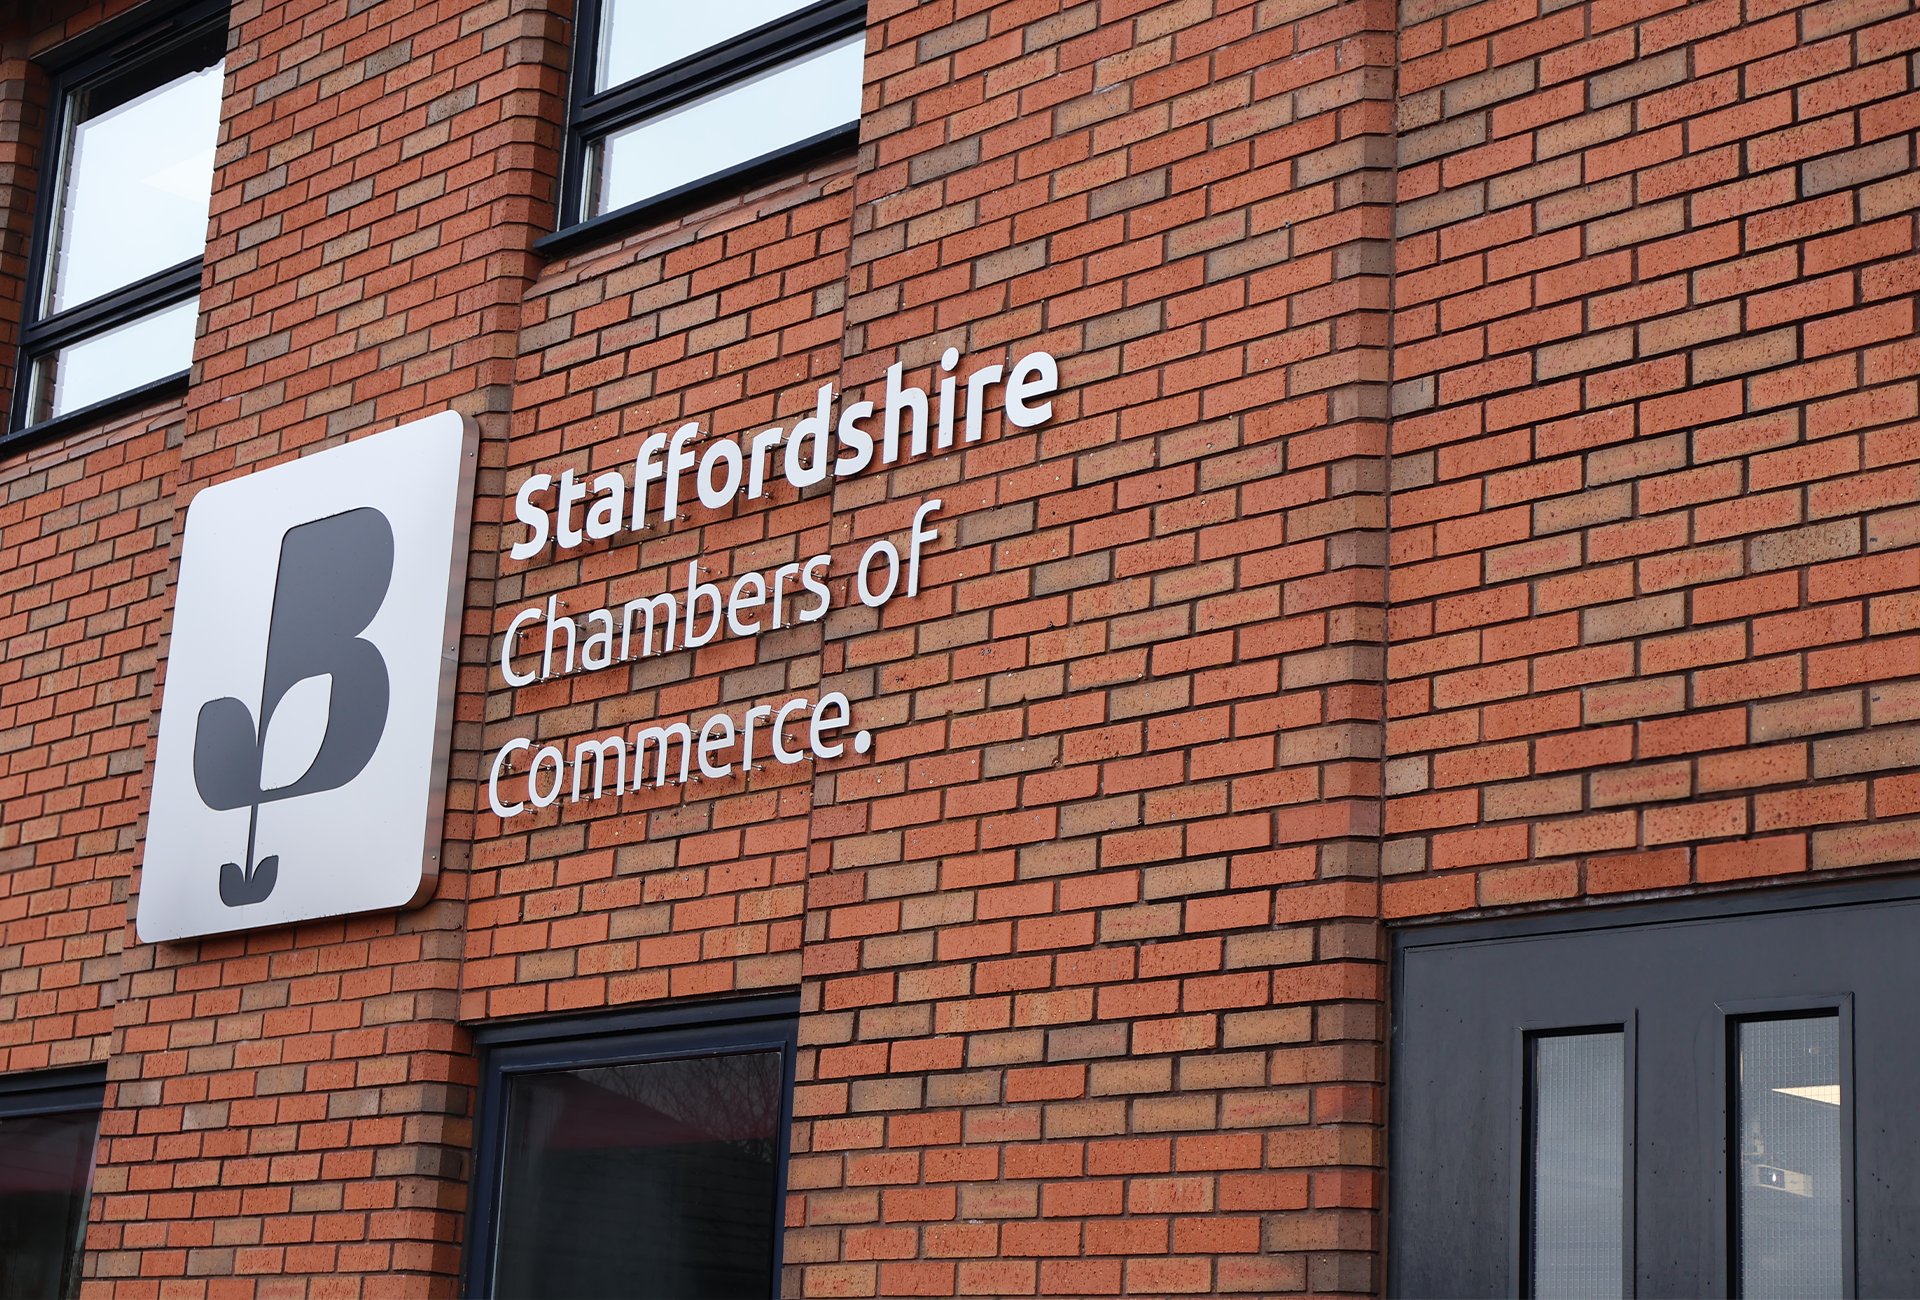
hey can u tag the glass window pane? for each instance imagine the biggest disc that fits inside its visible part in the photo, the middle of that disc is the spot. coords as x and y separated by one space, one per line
45 1162
747 120
1789 1128
1577 1141
640 36
664 1170
137 175
114 361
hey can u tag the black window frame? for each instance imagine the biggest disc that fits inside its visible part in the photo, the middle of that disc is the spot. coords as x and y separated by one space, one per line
616 1038
594 115
138 36
61 1092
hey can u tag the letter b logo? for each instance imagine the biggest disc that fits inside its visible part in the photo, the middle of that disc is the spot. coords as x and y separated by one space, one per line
307 703
333 576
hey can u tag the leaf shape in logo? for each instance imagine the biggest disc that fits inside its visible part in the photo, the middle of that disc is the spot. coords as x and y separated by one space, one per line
295 732
226 755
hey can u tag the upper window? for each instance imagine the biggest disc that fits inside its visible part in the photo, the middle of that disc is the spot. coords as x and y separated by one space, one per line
642 1145
125 187
671 97
47 1127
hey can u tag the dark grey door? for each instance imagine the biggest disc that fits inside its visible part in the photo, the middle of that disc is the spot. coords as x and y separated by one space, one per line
1715 1097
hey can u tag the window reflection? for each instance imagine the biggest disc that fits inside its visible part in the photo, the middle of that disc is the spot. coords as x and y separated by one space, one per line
115 361
45 1163
661 1170
1789 1126
641 36
747 120
137 176
131 175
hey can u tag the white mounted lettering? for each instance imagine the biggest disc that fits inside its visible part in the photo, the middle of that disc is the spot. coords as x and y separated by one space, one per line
673 474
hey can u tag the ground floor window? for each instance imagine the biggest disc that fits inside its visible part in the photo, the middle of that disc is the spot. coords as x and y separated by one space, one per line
1712 1096
637 1150
48 1123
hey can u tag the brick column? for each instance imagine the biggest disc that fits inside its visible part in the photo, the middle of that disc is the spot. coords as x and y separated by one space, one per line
288 1112
1092 949
83 530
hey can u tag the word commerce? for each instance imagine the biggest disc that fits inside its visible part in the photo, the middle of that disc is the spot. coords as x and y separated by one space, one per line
668 475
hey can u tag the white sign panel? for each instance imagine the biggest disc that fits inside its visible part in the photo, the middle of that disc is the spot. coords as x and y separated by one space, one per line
308 705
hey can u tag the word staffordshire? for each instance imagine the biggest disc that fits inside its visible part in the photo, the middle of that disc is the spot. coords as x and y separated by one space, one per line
817 445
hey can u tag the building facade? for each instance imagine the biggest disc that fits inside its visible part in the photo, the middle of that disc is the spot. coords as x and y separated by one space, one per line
1375 631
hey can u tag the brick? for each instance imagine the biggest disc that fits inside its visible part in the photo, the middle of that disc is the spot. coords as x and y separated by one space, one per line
1660 869
1876 750
1774 856
1855 167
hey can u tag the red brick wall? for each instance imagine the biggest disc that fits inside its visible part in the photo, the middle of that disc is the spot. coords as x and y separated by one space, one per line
84 529
1060 872
1656 461
1498 421
77 609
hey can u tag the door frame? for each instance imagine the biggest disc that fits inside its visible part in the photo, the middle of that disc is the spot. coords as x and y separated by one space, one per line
1404 936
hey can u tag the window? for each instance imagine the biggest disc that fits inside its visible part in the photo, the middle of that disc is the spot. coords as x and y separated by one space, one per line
126 179
646 1145
672 98
47 1127
1790 1131
1576 1164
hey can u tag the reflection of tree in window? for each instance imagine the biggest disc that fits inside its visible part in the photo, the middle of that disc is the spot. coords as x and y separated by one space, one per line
663 1170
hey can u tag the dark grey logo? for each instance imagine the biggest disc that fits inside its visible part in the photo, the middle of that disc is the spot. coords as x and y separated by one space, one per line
332 579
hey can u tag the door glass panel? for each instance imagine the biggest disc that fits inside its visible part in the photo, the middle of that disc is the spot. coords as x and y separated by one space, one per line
1789 1126
1576 1139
